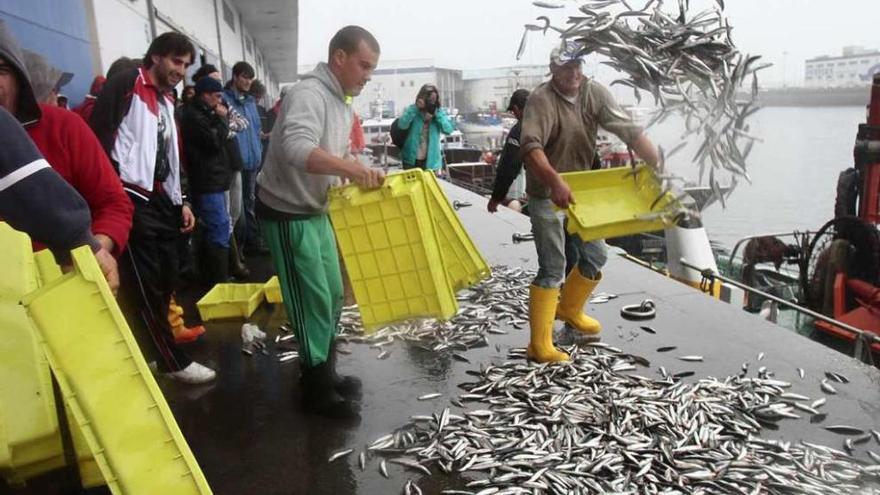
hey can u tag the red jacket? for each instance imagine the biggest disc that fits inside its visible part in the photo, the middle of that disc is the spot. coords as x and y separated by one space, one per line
71 148
85 108
358 142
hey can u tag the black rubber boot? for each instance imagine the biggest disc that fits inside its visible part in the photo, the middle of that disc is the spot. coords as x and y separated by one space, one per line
236 268
215 266
256 247
319 396
347 386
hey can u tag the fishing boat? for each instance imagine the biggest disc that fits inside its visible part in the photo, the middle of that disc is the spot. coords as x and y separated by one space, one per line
377 130
482 129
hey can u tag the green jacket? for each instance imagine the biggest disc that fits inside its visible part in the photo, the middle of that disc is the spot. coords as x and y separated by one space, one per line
413 119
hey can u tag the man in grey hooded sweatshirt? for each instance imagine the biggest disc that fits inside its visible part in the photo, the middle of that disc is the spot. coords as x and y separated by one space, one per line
308 153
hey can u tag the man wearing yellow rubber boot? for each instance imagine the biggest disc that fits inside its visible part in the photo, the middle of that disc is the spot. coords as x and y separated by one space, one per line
559 130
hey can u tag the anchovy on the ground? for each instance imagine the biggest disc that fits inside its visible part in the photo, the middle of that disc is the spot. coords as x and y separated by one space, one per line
691 358
586 427
503 298
827 388
341 453
837 377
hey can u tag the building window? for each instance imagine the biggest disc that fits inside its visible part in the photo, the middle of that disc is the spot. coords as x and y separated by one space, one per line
228 16
402 84
412 83
250 45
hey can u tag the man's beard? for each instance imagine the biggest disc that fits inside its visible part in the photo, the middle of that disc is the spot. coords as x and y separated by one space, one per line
165 79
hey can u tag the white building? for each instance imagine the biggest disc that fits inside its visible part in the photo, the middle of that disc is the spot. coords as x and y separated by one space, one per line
490 89
855 67
85 36
396 82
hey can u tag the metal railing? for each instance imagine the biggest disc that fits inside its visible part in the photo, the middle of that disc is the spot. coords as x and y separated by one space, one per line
707 273
740 242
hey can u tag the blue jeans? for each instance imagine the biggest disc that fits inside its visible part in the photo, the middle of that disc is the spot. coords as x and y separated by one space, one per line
211 210
550 242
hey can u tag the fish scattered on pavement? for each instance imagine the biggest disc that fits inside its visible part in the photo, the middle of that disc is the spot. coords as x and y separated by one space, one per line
585 427
341 453
503 298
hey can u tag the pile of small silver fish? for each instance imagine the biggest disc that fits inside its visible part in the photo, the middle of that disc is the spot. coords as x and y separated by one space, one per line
687 62
592 425
500 299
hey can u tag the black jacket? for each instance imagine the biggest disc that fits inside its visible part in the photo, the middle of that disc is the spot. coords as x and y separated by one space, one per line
205 146
509 166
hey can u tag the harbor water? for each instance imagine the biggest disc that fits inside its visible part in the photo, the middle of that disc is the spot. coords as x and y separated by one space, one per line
793 171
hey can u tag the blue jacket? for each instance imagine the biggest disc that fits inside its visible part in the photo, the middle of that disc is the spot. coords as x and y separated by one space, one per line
413 119
249 144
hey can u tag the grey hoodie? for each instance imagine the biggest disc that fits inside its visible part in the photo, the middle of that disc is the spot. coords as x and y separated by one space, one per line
28 111
314 115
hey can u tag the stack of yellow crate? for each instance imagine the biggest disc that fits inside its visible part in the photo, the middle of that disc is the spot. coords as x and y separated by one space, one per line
405 249
123 432
30 442
230 301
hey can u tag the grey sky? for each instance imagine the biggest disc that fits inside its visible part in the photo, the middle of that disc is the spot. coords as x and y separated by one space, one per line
470 34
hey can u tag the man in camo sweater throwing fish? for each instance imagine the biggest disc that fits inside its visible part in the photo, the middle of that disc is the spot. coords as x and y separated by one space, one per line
559 130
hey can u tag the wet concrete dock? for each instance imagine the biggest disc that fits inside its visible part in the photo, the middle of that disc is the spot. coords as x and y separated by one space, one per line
249 436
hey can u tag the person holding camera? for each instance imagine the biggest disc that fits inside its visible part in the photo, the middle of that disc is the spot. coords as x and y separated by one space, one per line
424 121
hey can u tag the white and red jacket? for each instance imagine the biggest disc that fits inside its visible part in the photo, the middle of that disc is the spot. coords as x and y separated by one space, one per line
126 121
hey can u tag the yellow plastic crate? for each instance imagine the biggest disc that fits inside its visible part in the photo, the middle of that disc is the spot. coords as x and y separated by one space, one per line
32 445
464 264
47 269
391 250
612 203
89 472
230 301
273 291
29 439
108 386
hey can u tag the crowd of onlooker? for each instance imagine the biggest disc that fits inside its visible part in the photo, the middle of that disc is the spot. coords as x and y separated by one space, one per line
168 180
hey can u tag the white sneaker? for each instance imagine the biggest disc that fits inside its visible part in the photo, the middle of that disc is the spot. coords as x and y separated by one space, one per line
193 374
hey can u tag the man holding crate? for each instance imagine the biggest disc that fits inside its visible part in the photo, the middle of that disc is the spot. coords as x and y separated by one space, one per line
308 153
559 135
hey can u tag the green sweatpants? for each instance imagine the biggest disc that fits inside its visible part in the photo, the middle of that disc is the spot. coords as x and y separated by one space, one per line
305 258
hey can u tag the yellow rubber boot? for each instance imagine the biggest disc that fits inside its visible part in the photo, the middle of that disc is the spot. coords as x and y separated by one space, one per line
575 292
542 307
182 333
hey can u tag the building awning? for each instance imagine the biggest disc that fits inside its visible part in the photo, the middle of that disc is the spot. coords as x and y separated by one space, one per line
274 25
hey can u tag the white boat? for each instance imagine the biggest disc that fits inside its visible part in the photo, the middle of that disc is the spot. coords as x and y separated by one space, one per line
377 130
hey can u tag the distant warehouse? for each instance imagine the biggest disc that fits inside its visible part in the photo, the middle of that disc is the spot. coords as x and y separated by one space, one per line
855 67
